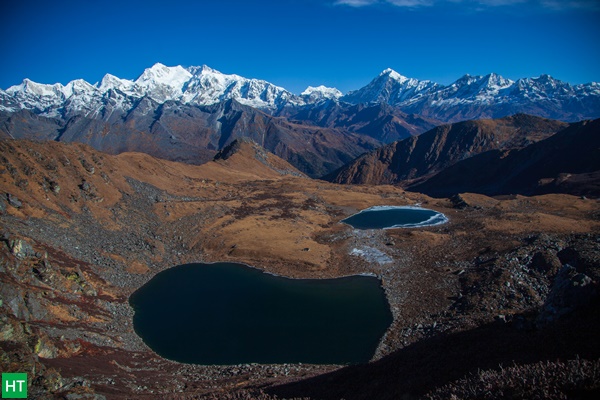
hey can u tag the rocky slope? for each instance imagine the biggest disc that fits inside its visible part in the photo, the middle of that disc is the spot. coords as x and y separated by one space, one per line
194 134
188 114
241 157
379 121
417 158
81 230
568 162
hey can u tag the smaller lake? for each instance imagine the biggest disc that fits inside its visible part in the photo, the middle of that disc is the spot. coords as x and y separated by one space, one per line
386 217
227 313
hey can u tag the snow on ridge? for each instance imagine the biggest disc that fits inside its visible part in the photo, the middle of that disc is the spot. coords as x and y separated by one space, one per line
28 87
208 86
110 81
392 88
206 71
161 74
194 85
394 75
322 92
204 86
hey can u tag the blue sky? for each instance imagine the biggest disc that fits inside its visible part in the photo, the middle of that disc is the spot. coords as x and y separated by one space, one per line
296 43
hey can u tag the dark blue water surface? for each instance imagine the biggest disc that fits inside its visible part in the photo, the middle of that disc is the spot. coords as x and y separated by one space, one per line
227 313
383 217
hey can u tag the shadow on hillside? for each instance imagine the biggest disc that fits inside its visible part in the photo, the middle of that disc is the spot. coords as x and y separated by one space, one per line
433 362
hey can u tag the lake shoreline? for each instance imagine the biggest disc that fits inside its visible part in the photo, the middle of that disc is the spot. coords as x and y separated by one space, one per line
361 223
230 313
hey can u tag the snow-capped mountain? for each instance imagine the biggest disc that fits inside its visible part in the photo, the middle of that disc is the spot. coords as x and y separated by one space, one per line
392 88
188 114
208 86
190 86
319 93
489 96
469 97
474 88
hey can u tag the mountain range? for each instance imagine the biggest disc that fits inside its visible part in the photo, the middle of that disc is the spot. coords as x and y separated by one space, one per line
189 114
194 134
82 230
468 97
489 96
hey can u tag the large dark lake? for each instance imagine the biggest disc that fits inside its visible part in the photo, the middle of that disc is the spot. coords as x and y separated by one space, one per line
227 313
385 217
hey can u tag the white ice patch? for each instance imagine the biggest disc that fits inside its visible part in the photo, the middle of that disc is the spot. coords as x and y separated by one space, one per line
372 254
437 219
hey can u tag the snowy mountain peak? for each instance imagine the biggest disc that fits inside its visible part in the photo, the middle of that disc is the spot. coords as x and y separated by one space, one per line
161 74
549 81
394 75
199 86
203 70
493 77
390 87
195 86
112 82
321 92
209 86
207 74
162 83
33 88
466 79
29 88
496 82
78 86
490 81
545 77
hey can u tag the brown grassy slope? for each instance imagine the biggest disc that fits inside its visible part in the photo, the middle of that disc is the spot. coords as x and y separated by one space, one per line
422 156
568 161
138 215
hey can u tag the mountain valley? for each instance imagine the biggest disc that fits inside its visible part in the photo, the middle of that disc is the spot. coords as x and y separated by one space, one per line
188 114
104 186
83 229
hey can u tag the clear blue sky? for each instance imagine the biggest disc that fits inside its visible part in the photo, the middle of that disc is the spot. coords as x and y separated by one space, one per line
296 43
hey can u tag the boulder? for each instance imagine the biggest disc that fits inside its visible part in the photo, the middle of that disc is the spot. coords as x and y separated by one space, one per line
545 262
21 249
570 291
13 201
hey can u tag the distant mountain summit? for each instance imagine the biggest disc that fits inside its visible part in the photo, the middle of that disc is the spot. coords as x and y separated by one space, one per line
476 97
392 88
315 94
